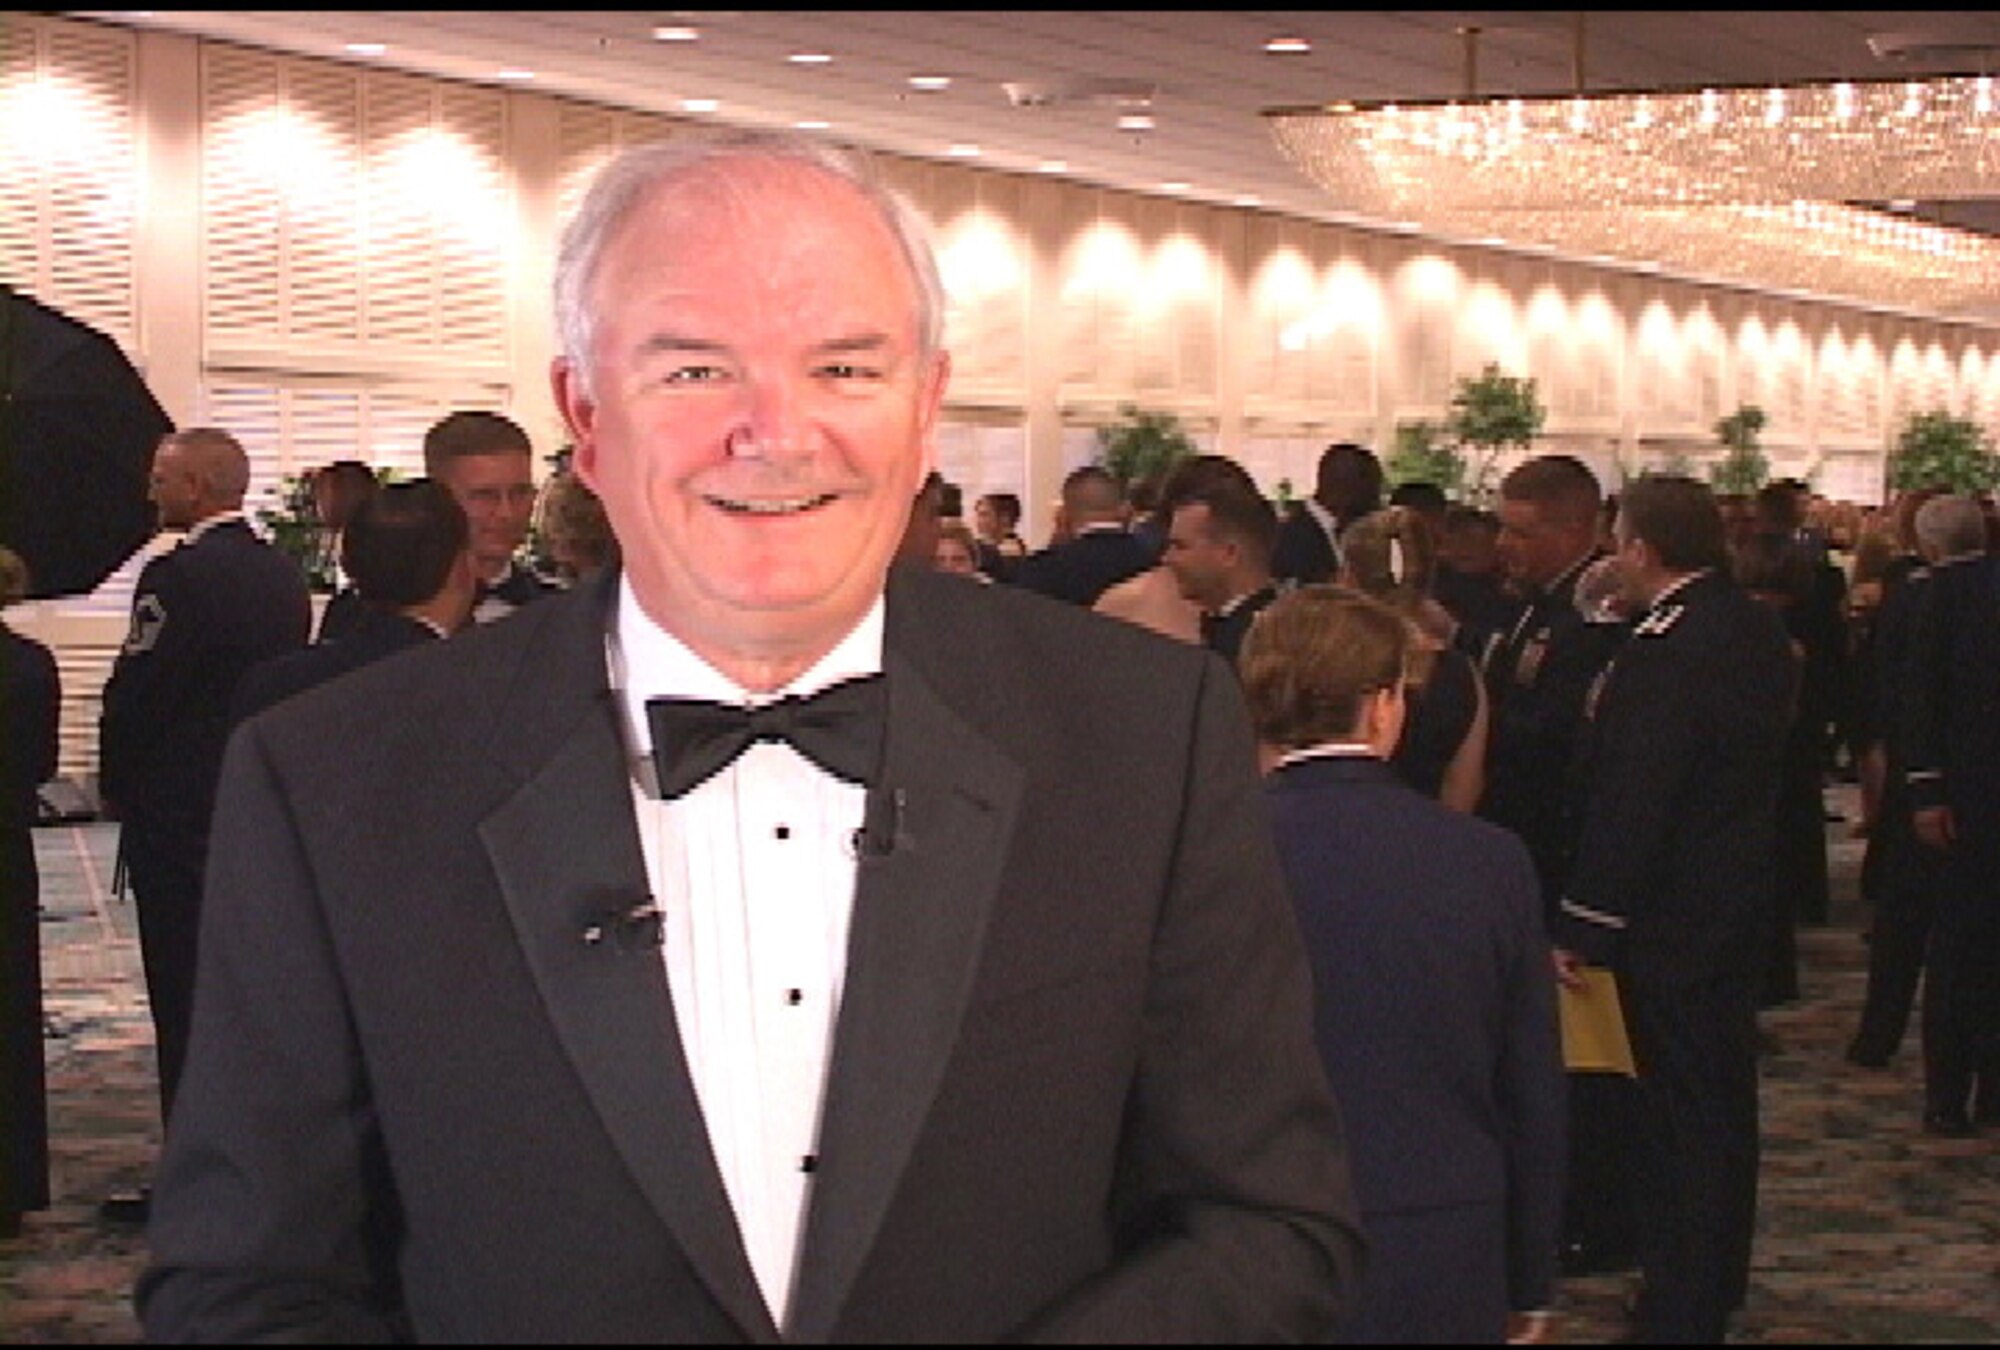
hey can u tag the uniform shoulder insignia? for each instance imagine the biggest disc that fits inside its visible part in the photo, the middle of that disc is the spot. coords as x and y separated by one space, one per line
1659 621
149 618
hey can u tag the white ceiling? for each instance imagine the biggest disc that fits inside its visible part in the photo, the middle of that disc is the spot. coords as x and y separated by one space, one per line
1212 74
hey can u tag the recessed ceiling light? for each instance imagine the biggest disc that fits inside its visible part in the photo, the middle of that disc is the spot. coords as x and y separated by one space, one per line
366 48
676 34
964 151
1249 201
1135 122
1173 187
812 124
513 74
1054 166
1288 44
699 105
1902 204
809 58
930 83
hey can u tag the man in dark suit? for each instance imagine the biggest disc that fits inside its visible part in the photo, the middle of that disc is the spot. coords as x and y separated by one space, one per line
1219 550
1098 552
735 949
1949 727
406 550
202 613
1671 888
488 463
1347 486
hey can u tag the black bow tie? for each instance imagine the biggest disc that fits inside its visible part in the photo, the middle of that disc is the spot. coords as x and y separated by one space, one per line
840 729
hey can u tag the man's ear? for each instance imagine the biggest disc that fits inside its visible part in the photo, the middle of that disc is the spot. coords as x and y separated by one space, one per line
579 415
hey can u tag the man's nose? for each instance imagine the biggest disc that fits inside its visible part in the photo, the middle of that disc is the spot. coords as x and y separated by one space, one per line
771 422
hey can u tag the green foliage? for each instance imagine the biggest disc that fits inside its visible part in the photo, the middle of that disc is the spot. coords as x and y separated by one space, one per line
292 525
1675 464
1420 455
1744 469
1938 450
1282 497
1490 412
1142 444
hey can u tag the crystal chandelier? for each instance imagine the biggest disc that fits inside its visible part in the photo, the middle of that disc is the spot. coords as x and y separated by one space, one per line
1738 185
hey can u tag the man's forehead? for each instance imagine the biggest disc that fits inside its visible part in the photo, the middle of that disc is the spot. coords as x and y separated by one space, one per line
497 466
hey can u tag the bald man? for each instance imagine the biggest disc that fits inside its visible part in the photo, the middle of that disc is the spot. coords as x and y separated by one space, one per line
204 612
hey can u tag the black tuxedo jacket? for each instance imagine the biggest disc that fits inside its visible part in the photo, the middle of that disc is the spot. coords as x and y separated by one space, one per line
1073 1091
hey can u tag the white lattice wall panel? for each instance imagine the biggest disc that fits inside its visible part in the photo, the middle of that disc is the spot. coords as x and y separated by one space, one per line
69 169
353 218
292 426
587 137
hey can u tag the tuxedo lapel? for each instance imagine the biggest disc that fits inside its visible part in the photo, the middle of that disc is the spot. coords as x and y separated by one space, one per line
920 913
565 848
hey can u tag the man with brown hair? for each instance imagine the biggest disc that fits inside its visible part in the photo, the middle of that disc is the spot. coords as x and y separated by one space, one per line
488 463
1671 887
1219 549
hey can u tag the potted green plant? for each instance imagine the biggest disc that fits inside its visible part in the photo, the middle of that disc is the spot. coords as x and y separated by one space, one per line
1489 412
1743 468
1937 450
292 525
1142 444
1421 455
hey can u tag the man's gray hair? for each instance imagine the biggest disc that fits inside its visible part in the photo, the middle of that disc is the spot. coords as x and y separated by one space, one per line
624 184
1950 526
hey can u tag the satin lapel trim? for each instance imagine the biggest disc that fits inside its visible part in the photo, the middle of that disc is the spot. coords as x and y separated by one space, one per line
566 849
919 925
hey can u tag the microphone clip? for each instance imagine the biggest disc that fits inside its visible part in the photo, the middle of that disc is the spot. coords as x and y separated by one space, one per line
882 833
638 927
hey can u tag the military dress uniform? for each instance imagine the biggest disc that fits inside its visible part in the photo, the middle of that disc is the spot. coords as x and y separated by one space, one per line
519 586
1538 673
1671 888
203 613
1949 726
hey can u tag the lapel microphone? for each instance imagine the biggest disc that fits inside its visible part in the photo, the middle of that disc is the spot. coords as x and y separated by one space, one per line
629 928
882 833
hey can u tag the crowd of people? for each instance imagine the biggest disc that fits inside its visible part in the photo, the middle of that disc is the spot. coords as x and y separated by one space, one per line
799 913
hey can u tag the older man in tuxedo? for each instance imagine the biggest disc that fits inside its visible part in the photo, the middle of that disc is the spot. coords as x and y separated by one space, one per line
729 948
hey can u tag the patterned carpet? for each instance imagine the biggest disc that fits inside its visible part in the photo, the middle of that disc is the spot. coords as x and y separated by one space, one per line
1869 1231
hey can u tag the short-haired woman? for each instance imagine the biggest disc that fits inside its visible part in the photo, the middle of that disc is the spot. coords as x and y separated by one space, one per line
1436 1007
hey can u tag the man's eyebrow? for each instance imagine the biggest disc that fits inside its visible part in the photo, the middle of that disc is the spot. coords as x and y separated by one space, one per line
859 342
669 343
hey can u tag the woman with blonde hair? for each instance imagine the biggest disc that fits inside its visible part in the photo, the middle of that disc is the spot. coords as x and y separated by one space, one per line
1435 1013
1391 555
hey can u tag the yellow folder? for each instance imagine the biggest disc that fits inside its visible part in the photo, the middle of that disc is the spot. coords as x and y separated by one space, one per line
1593 1025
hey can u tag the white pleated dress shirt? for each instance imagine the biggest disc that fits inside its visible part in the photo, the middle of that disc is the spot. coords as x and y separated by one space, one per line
755 873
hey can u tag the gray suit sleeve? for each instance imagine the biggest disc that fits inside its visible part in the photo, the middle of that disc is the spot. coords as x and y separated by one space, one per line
1234 1165
272 1210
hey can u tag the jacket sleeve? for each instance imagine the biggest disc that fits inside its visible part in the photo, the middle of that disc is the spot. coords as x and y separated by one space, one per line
1234 1165
1643 755
273 1208
1921 712
1534 1099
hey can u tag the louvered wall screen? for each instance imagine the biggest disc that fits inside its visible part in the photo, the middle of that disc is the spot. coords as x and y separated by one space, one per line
353 220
